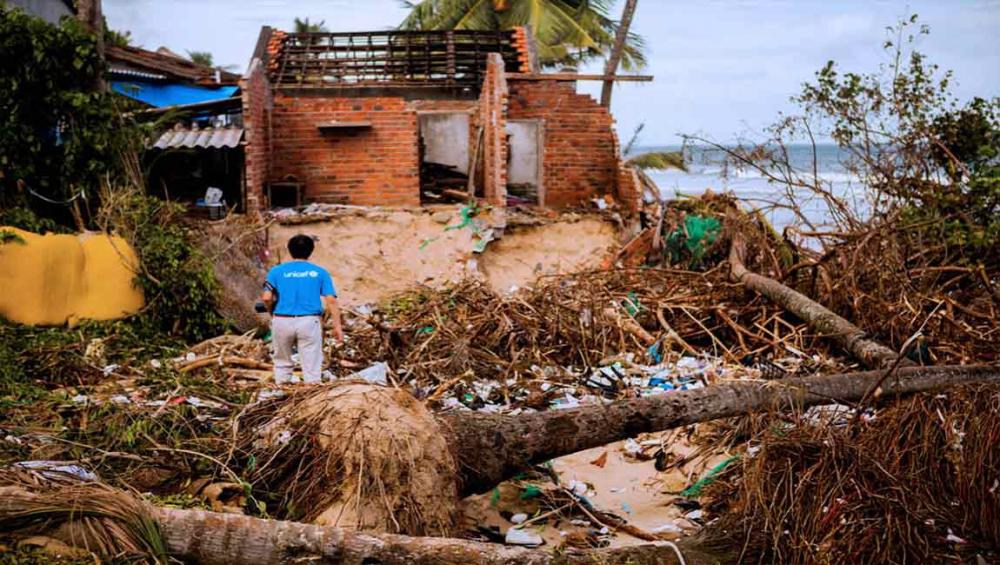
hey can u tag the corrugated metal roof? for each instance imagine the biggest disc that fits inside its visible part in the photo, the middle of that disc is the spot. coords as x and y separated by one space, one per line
118 70
208 138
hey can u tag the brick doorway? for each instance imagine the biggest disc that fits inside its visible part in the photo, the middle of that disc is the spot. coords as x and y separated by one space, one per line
444 154
524 162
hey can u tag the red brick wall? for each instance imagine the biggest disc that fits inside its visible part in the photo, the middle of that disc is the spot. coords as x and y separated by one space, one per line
493 117
256 94
629 186
370 166
580 160
443 105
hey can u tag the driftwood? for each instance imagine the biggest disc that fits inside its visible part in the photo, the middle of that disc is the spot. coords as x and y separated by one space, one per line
490 448
212 538
852 338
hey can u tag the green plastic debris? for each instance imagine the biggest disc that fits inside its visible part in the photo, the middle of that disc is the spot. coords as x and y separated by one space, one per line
466 214
631 303
530 491
425 330
426 242
694 238
694 491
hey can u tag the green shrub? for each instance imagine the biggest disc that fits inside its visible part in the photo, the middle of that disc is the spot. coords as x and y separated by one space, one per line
177 279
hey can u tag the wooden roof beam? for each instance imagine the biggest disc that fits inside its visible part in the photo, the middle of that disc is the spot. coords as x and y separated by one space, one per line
575 76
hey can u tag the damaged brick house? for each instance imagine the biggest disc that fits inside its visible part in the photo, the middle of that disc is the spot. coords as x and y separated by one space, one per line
398 118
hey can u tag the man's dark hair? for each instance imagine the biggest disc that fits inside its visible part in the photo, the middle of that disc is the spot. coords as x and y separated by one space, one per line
301 246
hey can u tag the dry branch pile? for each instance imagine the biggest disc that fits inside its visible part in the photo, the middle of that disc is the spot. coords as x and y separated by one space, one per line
892 278
916 484
577 321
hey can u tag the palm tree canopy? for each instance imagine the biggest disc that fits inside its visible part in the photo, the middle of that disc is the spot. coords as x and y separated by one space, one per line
201 58
567 31
658 160
305 26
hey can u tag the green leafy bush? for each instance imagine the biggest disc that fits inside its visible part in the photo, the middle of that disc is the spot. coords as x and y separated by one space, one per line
59 135
177 278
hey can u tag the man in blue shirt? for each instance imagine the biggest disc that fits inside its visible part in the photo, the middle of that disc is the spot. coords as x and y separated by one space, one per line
299 294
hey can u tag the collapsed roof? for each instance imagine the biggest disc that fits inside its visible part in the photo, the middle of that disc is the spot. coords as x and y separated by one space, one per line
391 58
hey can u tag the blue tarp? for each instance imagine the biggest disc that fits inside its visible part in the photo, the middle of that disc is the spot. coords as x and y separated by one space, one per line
159 94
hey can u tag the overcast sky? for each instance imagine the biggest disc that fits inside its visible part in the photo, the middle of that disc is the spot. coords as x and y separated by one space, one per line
723 67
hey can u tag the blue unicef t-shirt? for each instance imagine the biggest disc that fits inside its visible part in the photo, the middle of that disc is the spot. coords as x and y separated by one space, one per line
300 285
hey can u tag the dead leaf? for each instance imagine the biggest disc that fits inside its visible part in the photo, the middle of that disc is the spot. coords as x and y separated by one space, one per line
601 461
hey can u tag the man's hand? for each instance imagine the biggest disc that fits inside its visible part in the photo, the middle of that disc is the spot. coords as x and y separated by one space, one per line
332 317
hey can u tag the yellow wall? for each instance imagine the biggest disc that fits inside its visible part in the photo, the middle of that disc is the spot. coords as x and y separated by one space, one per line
58 279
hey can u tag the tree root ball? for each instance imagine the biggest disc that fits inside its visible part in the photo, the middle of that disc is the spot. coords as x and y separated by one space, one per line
356 456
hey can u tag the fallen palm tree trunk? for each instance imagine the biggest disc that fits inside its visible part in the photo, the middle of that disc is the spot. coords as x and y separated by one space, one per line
115 525
490 448
852 338
212 538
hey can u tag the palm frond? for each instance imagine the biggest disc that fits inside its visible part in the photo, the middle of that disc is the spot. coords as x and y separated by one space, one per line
449 14
567 31
109 522
658 160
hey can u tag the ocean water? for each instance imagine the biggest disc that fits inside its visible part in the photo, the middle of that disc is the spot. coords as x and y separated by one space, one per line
707 169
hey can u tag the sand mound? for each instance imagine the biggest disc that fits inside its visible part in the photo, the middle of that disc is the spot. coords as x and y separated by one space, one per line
526 253
356 456
376 254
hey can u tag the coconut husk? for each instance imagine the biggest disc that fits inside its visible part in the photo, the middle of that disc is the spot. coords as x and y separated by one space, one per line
355 456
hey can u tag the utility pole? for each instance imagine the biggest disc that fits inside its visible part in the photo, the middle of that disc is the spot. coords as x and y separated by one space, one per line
617 50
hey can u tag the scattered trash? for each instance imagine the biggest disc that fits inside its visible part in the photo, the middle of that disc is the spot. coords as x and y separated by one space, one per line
686 503
669 527
632 447
58 470
270 394
518 518
376 374
694 490
520 536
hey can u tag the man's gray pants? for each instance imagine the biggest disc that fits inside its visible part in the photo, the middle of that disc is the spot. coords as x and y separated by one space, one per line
307 333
